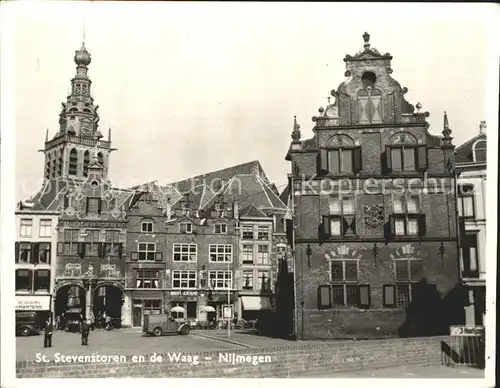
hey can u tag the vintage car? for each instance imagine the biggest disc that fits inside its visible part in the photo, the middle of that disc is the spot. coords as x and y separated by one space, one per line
26 323
161 324
71 321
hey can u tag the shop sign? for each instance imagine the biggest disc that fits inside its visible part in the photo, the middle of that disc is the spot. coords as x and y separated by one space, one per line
228 311
466 331
184 293
33 302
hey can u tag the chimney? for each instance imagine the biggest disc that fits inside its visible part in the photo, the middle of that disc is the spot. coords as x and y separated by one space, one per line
235 211
482 127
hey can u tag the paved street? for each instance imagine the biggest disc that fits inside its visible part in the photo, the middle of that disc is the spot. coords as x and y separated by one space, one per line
116 342
245 339
413 371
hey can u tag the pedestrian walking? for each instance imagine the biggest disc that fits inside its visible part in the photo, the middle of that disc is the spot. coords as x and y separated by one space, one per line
47 338
108 322
85 330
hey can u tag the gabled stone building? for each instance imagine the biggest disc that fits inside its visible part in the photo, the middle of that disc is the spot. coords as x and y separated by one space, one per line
375 232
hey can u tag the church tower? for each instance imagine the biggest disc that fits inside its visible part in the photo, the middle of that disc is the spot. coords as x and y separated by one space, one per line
78 140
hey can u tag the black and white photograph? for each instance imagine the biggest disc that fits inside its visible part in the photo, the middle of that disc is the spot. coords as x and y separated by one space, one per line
248 190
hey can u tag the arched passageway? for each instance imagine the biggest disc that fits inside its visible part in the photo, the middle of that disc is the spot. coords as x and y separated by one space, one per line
108 299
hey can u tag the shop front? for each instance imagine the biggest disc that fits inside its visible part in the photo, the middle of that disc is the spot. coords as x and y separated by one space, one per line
219 301
41 304
252 305
183 304
145 303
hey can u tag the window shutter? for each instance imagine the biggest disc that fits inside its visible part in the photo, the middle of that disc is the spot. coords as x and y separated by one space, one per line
60 248
388 160
353 226
158 256
326 227
422 227
17 252
134 256
66 201
364 297
34 252
30 277
389 295
422 158
87 206
99 206
120 250
81 249
322 162
100 249
345 226
324 297
358 160
392 225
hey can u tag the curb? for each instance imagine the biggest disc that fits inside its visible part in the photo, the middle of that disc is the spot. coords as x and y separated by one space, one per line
224 340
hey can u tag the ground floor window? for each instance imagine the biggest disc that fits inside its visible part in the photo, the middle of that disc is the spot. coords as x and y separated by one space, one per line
152 306
344 295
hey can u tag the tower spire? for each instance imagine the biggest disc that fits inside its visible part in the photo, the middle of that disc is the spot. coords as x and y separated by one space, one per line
446 131
109 134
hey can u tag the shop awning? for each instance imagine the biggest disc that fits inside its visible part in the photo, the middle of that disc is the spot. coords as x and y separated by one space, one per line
256 302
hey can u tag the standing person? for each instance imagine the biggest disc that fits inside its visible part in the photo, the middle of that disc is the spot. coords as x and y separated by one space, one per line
47 338
108 322
85 330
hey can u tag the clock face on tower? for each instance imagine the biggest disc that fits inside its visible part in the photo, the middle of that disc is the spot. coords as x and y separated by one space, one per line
86 128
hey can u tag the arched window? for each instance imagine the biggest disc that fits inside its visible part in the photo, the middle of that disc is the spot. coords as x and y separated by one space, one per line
73 162
343 156
59 163
47 168
53 166
147 225
86 161
479 152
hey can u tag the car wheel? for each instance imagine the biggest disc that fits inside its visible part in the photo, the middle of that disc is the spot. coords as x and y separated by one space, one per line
25 331
157 331
185 330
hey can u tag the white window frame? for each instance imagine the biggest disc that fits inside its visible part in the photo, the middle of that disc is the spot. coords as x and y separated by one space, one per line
147 222
243 256
41 290
146 251
258 260
180 246
408 282
267 228
152 278
224 279
179 278
222 228
45 228
243 227
26 227
474 148
252 280
343 260
217 253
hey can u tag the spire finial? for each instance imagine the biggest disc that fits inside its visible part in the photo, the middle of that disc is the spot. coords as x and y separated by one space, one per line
328 98
446 131
296 130
366 38
446 124
109 134
47 136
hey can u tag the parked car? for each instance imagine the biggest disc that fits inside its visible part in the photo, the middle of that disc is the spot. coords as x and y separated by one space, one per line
26 323
72 321
160 324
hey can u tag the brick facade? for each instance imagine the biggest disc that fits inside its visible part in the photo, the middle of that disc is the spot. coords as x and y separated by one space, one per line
295 360
374 213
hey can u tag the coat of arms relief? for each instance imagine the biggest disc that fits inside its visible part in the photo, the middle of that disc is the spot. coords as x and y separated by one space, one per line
374 216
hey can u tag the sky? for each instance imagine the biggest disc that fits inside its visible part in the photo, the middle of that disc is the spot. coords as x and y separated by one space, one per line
191 88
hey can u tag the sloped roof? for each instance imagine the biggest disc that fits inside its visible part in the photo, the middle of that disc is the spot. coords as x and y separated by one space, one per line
224 174
285 194
252 211
249 189
463 153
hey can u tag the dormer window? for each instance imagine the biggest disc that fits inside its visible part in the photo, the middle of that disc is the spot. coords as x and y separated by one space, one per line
186 227
220 228
479 151
147 226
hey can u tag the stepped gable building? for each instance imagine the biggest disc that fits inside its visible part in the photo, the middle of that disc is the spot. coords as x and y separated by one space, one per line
375 231
470 160
90 262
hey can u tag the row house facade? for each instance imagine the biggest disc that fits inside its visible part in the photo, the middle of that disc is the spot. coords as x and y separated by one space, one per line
35 260
202 244
471 194
375 233
91 230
